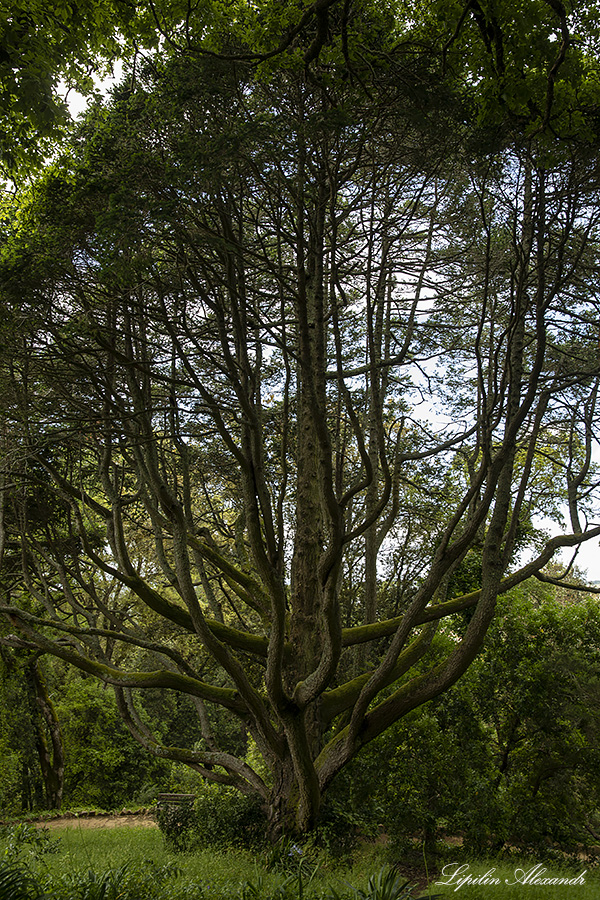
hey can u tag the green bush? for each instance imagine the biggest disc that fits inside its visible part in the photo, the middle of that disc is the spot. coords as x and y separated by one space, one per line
338 830
227 818
538 694
510 756
220 817
178 823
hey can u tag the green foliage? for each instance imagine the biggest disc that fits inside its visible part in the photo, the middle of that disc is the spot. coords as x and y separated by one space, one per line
294 886
150 185
433 764
288 857
10 769
47 48
227 818
131 881
524 65
104 865
105 766
219 817
299 877
40 44
338 830
27 839
23 732
17 883
511 753
539 693
178 823
387 885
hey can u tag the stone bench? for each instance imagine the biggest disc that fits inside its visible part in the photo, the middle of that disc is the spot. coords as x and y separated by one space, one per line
166 800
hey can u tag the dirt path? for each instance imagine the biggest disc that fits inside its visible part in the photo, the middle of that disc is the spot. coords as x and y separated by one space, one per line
144 820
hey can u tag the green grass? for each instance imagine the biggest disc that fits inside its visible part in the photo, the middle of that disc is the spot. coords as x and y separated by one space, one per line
100 849
220 875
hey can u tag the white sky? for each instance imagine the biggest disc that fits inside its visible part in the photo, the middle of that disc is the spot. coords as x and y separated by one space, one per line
77 103
587 560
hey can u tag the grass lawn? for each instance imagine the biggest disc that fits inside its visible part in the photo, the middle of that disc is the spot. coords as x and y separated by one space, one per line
86 854
202 873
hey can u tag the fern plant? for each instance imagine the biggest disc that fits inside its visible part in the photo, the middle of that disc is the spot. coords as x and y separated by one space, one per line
17 883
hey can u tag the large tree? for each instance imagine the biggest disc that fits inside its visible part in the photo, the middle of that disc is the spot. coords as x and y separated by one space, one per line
286 353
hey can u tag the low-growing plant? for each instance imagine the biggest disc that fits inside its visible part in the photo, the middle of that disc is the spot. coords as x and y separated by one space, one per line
386 884
131 881
292 887
261 890
26 838
288 857
17 883
337 831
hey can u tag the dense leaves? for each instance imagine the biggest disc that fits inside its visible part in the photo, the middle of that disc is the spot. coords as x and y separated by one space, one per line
509 757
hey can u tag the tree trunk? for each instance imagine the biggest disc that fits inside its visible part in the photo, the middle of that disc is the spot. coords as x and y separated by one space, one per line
48 737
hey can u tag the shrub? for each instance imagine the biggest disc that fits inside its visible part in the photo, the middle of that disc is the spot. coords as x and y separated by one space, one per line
227 818
338 830
178 823
220 817
26 837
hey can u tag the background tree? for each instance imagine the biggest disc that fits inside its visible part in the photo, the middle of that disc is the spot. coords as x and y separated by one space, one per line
42 45
49 49
33 750
511 750
260 325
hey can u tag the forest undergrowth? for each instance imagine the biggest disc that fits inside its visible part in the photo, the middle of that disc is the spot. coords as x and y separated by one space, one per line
75 862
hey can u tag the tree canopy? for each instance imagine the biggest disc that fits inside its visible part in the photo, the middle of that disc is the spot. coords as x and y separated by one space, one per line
294 354
533 61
